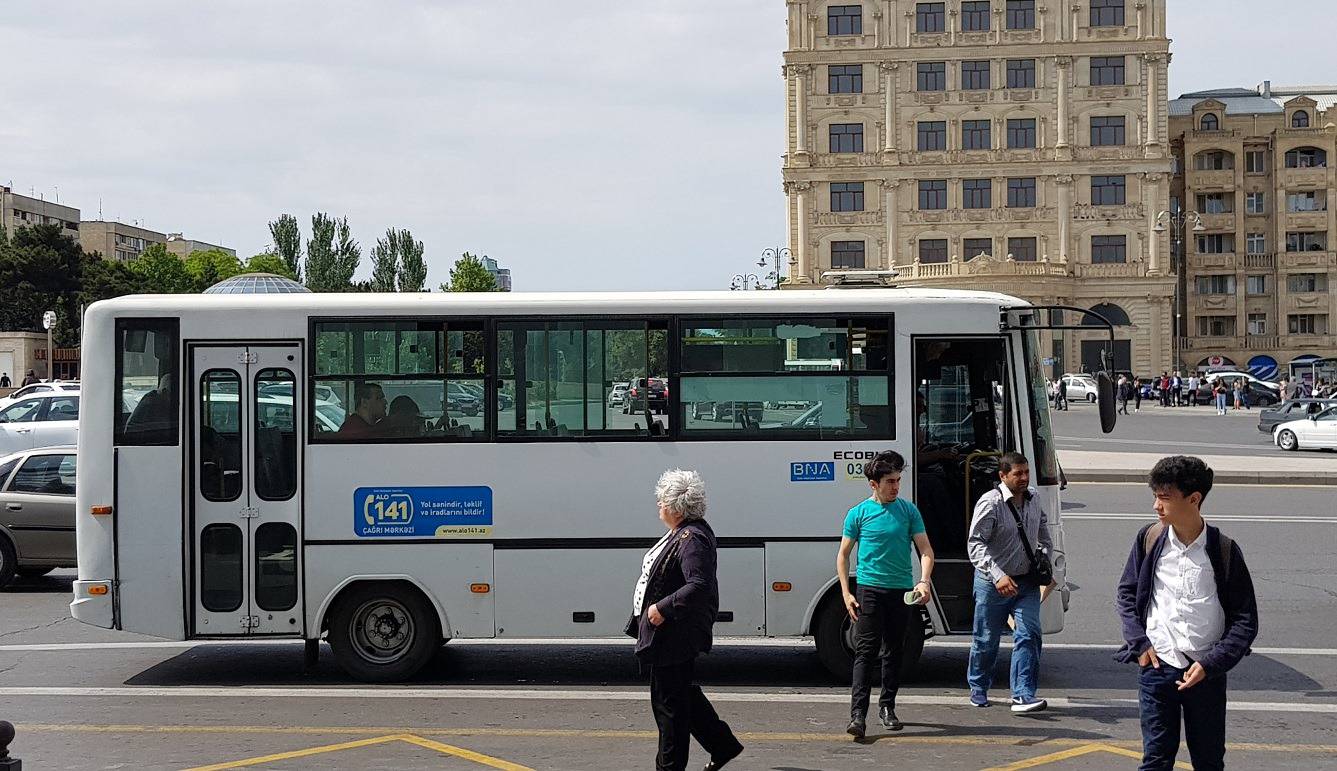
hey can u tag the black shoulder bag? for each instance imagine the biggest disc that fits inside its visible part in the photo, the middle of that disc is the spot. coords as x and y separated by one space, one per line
1042 572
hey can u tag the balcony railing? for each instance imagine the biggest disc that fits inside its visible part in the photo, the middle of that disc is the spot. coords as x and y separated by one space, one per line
1260 261
979 267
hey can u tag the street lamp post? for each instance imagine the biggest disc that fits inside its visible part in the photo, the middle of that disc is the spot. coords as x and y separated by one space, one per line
1178 221
774 254
49 321
745 281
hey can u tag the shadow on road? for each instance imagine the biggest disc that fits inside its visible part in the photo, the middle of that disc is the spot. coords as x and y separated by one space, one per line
57 584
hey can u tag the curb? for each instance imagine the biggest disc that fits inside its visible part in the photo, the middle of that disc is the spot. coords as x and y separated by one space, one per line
1313 478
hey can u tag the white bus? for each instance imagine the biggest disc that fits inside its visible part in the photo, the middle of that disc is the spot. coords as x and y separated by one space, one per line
237 479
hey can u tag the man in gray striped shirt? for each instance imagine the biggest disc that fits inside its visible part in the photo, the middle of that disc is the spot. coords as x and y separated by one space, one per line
1004 585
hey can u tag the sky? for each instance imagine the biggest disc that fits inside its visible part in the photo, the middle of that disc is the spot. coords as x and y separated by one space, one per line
584 146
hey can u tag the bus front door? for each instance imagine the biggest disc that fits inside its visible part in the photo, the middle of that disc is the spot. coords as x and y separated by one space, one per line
964 421
246 480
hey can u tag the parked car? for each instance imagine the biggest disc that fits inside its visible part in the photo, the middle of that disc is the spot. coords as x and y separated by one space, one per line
1293 409
736 412
1080 387
618 395
1233 375
1317 431
323 392
35 389
647 393
1257 394
41 420
36 512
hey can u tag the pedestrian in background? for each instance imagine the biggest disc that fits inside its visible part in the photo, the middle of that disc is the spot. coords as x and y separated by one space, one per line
1138 385
1124 392
29 379
1010 547
1219 396
673 610
4 380
1176 390
1060 394
1189 615
1193 384
883 527
1238 392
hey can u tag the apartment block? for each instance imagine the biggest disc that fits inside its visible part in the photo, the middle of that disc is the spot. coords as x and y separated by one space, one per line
17 211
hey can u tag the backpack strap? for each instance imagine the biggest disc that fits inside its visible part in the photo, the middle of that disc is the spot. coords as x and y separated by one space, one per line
1149 537
1227 549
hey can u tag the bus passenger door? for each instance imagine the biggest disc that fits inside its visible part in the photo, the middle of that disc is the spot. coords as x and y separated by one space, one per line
246 435
964 420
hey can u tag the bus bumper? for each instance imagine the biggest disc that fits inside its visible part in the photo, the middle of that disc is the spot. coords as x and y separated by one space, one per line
93 603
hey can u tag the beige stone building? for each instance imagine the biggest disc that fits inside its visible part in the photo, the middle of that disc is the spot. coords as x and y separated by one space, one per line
1012 145
17 211
182 247
117 240
1257 168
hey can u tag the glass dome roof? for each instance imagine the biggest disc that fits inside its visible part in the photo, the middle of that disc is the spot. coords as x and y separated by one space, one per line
257 283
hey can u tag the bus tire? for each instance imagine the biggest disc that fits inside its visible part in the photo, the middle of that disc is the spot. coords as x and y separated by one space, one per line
384 632
9 561
835 642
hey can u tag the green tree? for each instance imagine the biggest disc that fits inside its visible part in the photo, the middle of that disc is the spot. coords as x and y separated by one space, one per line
469 275
385 262
209 266
287 236
160 271
412 266
332 256
268 262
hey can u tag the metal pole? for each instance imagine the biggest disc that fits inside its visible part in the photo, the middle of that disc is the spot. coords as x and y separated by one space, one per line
49 374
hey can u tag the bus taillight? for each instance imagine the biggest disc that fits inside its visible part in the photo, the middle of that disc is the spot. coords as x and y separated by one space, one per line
480 588
100 511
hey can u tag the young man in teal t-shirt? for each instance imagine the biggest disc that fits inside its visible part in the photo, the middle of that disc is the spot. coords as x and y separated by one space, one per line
883 527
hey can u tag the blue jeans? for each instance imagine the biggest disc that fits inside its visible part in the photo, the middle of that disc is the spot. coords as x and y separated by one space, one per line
1203 708
991 612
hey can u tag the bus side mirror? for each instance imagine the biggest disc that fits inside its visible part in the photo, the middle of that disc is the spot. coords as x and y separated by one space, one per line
1105 401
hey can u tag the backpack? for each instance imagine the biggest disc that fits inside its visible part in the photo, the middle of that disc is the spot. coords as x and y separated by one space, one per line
1227 546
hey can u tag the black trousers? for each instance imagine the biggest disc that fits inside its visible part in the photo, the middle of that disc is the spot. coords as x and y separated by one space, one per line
883 616
682 711
1203 709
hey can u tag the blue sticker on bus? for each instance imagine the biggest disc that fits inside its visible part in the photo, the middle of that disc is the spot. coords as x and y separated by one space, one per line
812 471
422 512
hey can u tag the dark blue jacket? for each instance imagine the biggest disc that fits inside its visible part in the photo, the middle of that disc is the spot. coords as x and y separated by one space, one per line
1234 590
682 585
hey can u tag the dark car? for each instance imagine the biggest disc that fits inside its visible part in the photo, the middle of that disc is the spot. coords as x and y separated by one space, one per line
1256 395
647 393
1294 409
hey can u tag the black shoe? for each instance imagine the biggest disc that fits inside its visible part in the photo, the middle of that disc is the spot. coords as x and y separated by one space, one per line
718 763
889 719
857 728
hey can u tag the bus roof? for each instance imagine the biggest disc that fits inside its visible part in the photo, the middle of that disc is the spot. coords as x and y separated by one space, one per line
515 303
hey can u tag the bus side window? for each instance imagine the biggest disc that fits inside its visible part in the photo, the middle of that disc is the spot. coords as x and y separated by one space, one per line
148 369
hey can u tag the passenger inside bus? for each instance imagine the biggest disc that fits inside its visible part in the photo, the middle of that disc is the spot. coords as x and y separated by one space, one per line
156 409
368 410
403 420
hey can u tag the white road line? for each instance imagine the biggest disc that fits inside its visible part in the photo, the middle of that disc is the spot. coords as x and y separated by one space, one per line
639 694
1282 519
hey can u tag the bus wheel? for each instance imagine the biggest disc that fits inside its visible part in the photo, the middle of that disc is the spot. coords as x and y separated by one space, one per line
835 642
384 632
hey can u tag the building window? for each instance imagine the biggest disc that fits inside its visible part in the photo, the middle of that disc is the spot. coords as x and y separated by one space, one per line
1022 249
1255 243
974 76
974 247
1306 201
1107 71
1020 133
1107 13
1255 203
847 255
1216 243
975 16
1224 284
1306 158
1255 161
846 137
1255 284
976 135
932 135
1214 160
931 76
933 250
1108 191
1107 130
1021 193
1109 249
1300 119
1021 14
1216 203
932 194
1021 73
846 196
977 193
930 17
844 20
1307 282
1306 242
1307 323
1257 323
844 78
1216 326
1209 122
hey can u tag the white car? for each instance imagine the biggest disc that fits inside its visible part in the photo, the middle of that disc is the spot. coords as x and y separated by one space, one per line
34 389
1230 376
1080 387
618 395
1316 432
44 419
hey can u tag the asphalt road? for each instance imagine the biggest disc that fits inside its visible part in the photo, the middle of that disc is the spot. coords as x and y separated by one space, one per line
1191 430
81 702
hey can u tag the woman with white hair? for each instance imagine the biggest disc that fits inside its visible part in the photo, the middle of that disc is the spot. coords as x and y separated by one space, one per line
673 609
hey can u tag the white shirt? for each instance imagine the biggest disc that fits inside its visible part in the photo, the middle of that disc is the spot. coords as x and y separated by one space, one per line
638 596
1185 618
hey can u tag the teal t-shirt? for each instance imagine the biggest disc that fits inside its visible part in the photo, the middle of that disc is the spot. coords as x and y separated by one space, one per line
884 533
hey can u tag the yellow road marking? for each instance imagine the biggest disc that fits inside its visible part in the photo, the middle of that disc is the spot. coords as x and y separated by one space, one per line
1076 752
380 732
445 749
